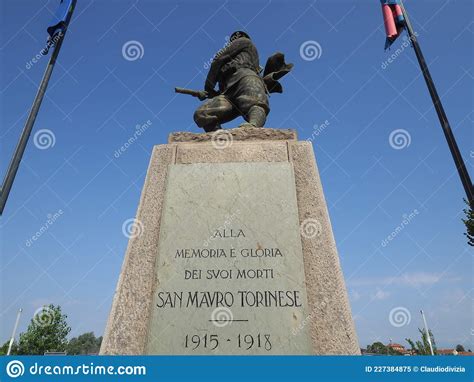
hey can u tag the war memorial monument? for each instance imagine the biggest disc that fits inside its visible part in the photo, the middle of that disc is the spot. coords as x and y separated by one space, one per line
233 251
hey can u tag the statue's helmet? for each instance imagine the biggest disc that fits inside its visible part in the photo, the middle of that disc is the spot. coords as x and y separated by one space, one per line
238 34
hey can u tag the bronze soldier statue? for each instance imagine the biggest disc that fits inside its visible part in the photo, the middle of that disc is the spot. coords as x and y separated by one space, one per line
243 90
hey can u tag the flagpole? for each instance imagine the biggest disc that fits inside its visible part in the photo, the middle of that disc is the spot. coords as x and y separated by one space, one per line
14 331
443 119
25 135
428 337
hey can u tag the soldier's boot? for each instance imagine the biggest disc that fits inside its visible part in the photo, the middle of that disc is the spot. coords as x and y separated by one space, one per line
256 117
206 121
211 128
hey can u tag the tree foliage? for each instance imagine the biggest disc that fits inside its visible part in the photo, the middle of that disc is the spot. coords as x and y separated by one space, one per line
47 331
86 343
4 348
423 347
380 348
469 222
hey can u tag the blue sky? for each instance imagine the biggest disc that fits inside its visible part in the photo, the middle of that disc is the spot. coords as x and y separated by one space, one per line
97 98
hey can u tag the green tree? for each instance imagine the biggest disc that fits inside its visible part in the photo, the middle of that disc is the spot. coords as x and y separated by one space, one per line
423 347
380 348
377 348
86 343
460 348
469 222
4 348
47 331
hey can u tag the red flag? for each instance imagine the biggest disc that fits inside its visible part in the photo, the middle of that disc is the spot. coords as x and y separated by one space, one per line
393 20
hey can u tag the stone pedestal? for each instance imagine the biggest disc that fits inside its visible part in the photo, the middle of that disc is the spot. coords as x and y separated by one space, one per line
233 253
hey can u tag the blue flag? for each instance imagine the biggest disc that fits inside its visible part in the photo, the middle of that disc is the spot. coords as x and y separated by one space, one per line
58 24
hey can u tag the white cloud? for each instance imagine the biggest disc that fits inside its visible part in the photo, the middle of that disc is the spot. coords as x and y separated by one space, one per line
380 295
355 296
415 279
